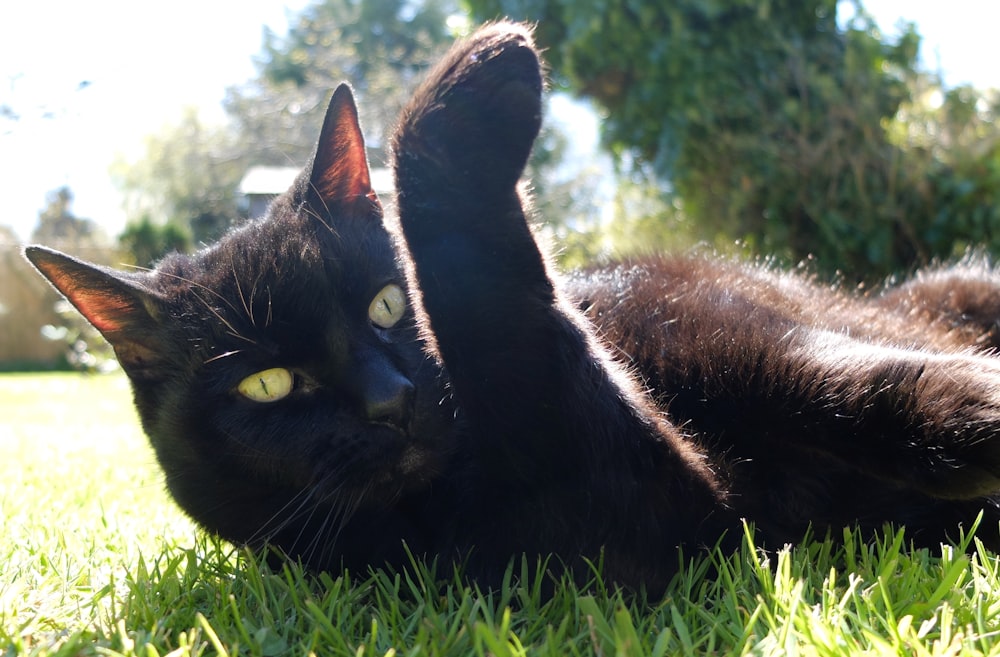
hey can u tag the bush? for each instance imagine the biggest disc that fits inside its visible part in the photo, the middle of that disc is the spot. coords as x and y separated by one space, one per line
774 125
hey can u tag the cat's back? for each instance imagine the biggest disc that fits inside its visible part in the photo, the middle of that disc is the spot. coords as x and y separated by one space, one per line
674 305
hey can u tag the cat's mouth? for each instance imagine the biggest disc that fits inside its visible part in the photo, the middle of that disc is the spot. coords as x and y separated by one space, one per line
405 458
412 461
376 465
408 469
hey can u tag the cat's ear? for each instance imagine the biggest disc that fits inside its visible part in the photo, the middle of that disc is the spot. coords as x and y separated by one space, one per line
340 165
118 304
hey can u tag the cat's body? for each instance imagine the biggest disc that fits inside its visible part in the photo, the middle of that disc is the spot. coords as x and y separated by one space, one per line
295 397
821 407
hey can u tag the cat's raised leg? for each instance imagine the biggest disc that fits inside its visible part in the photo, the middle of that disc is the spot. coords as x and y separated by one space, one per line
569 455
459 152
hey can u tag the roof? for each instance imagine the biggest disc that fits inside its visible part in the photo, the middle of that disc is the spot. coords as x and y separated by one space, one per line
263 180
268 180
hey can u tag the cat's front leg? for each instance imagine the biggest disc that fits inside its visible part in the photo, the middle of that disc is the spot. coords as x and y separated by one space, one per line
459 152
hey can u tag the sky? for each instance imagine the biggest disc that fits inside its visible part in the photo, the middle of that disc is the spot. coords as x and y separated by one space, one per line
90 80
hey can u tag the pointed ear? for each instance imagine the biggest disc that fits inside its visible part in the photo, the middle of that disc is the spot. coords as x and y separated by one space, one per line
340 165
118 304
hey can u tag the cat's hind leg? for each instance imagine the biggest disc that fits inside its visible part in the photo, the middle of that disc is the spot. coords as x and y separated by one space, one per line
962 300
925 419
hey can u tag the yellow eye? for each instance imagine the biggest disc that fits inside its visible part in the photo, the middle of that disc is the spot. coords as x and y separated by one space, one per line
387 306
267 385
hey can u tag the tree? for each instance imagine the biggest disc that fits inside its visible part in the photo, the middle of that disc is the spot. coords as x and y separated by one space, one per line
186 181
381 47
766 118
184 189
564 194
37 329
26 304
953 157
58 227
147 241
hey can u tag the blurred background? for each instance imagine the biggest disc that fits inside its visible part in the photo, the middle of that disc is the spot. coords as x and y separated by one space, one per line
858 137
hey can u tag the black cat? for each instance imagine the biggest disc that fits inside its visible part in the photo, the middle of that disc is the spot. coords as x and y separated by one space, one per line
318 382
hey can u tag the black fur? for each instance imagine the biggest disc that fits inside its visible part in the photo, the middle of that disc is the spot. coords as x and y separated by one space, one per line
617 413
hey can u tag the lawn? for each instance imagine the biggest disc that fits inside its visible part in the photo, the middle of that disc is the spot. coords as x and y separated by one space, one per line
96 560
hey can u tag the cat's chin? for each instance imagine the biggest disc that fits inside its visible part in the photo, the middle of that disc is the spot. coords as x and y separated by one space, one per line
391 464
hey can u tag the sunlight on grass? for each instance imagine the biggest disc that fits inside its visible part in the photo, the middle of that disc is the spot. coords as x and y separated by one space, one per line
80 499
96 560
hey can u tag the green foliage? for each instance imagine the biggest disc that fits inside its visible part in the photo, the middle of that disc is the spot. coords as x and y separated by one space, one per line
84 349
186 183
25 305
187 179
564 194
147 241
380 47
376 34
98 561
770 123
953 146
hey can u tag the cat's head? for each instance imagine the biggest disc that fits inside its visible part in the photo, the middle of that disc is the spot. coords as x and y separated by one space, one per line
279 373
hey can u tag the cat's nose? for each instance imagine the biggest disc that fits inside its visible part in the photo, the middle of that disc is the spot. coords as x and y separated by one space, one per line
381 393
389 399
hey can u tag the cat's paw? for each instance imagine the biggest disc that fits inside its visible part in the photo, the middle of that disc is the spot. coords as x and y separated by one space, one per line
469 130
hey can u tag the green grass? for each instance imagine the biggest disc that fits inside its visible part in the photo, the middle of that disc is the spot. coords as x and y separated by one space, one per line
95 559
